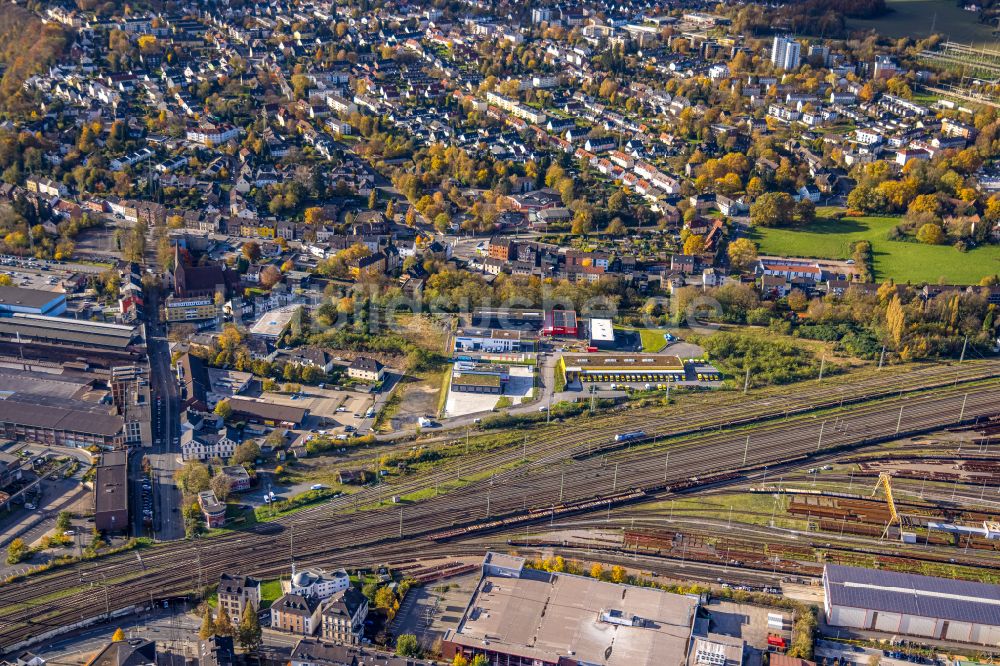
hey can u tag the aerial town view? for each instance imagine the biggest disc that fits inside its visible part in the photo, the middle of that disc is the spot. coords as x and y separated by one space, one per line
467 333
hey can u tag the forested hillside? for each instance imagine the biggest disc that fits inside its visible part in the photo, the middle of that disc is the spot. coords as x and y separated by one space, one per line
27 45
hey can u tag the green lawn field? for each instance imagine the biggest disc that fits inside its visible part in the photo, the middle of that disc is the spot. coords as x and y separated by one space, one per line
652 340
901 261
915 18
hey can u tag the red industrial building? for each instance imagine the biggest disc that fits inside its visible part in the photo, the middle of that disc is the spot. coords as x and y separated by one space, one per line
560 322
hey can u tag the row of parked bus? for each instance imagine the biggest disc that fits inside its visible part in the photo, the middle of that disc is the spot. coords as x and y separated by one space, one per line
615 377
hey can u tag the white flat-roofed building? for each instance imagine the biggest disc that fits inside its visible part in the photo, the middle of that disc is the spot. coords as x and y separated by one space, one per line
490 340
273 322
526 616
602 333
912 605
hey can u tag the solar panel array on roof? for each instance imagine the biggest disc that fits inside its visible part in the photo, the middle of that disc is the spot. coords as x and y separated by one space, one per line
923 596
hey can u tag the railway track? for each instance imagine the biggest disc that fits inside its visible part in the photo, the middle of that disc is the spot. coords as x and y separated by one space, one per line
562 441
332 534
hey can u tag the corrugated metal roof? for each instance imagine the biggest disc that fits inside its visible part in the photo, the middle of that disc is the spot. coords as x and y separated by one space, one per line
69 331
924 596
57 418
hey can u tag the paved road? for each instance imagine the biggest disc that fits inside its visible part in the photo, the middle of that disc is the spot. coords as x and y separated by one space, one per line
168 627
175 628
165 452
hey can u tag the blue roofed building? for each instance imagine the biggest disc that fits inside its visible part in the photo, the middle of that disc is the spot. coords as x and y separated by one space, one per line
912 605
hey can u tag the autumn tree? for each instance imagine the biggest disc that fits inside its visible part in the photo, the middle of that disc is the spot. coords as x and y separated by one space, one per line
618 574
616 228
931 234
245 453
772 209
270 276
442 221
583 221
147 43
804 212
384 598
17 550
617 202
742 253
222 486
223 409
230 338
694 244
249 632
119 635
895 319
193 477
207 624
251 250
224 624
924 203
314 216
407 646
797 300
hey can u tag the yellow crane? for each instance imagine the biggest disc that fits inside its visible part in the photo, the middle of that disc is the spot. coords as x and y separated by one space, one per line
885 480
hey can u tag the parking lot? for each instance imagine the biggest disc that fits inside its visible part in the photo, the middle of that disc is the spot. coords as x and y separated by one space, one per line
328 408
33 278
518 389
428 612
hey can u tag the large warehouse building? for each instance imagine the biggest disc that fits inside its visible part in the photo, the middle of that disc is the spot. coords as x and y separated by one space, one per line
527 617
626 368
912 605
32 301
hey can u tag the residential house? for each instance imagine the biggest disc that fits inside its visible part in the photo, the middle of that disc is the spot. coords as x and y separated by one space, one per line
238 476
139 652
343 617
366 369
314 652
372 264
296 614
235 592
808 193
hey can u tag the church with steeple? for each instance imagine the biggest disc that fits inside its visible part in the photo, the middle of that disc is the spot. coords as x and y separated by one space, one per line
207 280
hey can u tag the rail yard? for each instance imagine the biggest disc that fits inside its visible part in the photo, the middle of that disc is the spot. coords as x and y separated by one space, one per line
564 476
